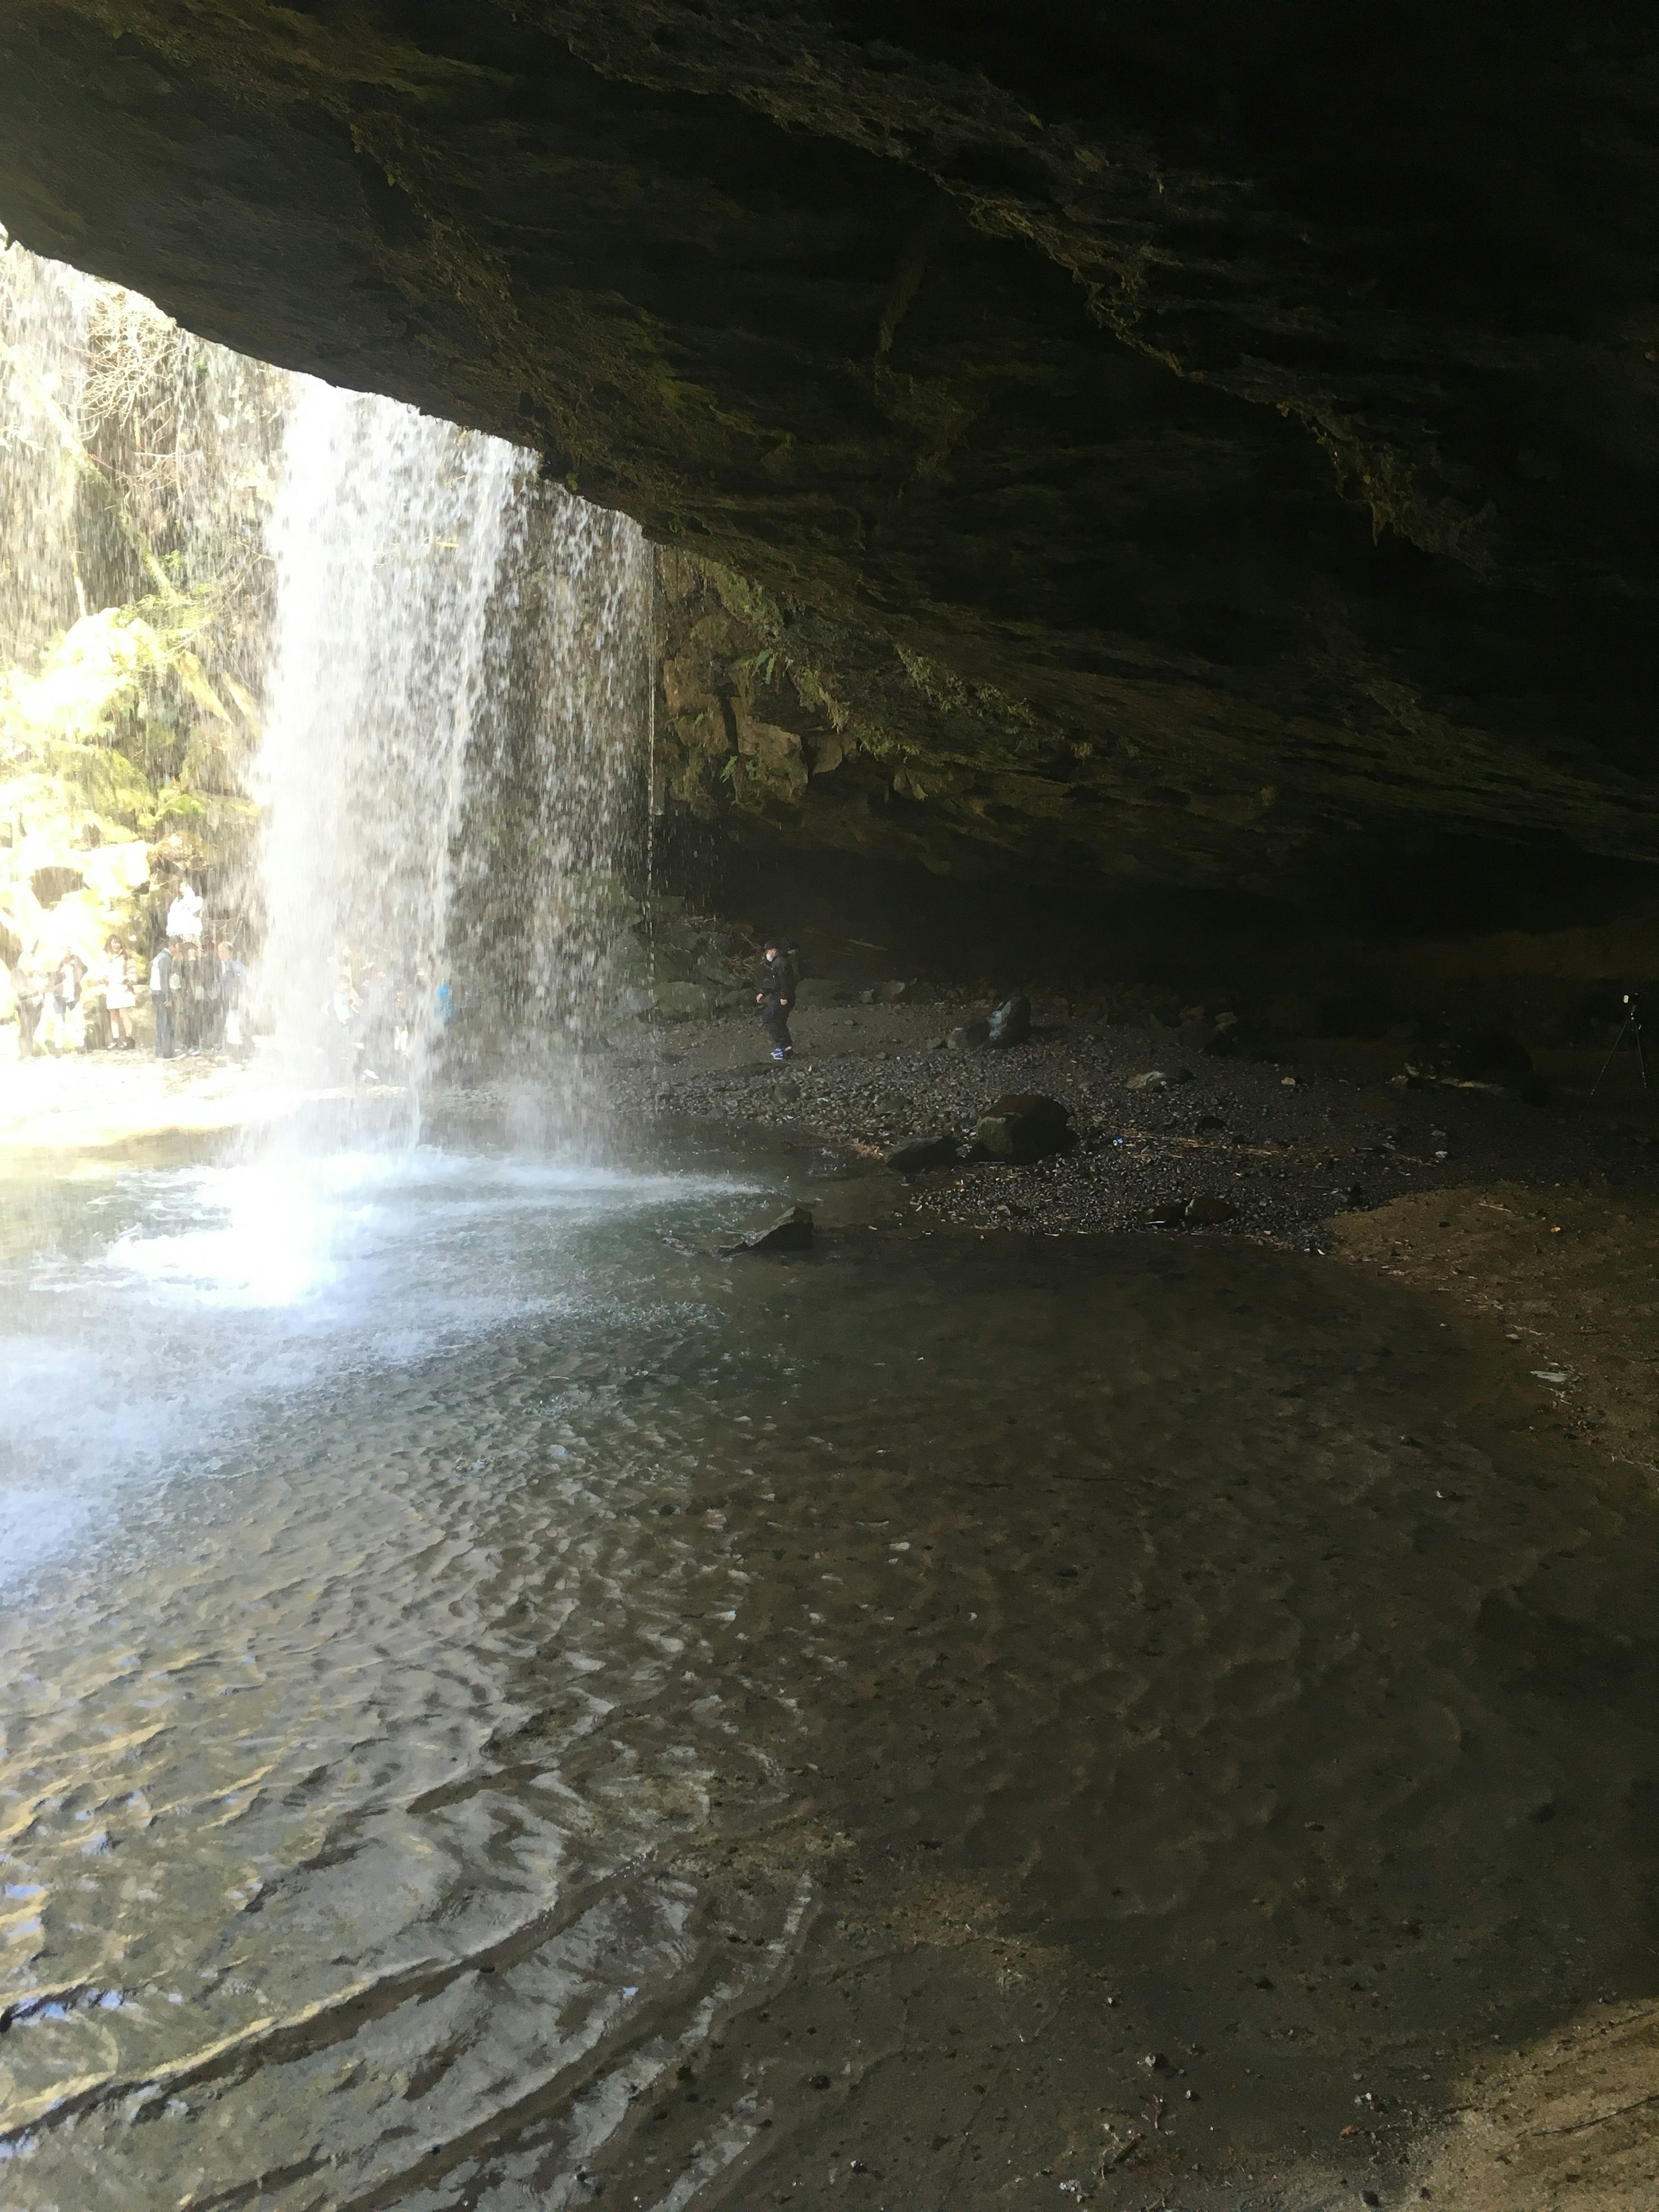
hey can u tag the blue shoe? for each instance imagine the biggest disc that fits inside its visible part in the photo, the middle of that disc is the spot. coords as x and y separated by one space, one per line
778 1052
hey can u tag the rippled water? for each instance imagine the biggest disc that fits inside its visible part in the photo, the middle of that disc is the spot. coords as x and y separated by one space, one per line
503 1705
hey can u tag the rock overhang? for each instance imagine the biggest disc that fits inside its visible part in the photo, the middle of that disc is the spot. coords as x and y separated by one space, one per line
1159 443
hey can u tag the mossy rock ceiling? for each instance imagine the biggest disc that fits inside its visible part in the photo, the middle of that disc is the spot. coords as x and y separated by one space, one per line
1207 441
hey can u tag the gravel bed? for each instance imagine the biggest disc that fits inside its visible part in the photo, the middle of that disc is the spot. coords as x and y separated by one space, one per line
1285 1147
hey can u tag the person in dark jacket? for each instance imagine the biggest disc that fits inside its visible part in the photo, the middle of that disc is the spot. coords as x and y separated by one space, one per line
162 996
229 981
192 968
775 1001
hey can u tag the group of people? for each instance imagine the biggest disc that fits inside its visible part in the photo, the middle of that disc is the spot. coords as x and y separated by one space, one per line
374 1022
49 1010
197 990
63 1005
197 993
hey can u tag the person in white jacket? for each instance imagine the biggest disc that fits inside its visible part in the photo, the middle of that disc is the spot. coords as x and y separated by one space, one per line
184 915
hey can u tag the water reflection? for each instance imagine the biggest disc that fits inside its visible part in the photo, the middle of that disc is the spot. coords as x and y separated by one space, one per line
598 1715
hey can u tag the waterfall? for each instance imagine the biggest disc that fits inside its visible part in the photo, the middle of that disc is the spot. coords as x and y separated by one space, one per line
388 534
44 316
363 675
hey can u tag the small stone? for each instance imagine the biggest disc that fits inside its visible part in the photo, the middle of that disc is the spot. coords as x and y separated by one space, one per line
969 1037
819 2082
1154 2061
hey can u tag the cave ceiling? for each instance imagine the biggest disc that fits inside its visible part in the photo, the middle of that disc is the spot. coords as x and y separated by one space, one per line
1182 439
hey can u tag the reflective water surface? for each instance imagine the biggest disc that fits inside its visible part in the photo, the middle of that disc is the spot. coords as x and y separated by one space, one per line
502 1706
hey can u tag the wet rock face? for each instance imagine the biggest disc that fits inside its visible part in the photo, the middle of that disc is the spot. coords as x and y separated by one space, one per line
1214 443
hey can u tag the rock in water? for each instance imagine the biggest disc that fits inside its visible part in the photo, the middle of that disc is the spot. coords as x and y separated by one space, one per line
1023 1126
969 1037
1010 1023
921 1153
792 1234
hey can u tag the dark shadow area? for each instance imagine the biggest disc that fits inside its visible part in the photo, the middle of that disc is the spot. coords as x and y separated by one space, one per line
866 919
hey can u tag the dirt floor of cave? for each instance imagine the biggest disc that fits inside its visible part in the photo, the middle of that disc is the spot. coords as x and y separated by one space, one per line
1543 1219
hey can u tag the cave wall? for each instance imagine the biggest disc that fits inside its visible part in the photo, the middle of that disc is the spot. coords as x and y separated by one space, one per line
1181 442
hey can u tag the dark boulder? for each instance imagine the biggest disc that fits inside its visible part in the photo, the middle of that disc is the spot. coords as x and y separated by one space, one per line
969 1037
1011 1022
1208 1210
1493 1052
1478 1055
823 991
1023 1126
793 1233
921 1153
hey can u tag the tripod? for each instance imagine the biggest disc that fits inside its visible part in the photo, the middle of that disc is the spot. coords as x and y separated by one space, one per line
1632 1029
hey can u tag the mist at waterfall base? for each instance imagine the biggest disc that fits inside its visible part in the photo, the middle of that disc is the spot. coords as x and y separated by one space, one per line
427 667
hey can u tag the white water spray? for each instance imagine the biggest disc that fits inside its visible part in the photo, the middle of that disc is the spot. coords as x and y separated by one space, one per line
388 534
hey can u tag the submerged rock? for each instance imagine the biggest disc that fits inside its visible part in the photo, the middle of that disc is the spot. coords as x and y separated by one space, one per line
1023 1126
969 1037
793 1233
1158 1078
